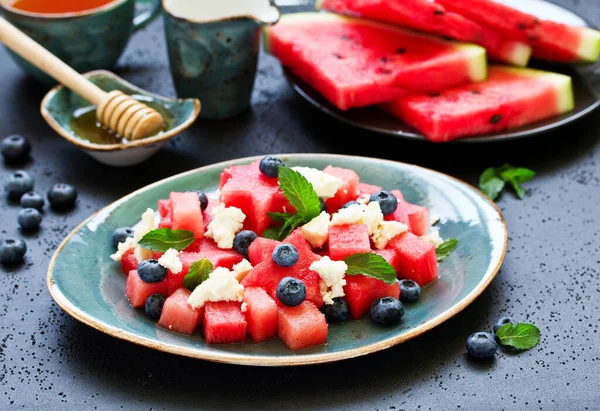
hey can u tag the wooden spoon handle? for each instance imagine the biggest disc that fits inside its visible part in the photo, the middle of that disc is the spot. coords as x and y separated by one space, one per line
37 55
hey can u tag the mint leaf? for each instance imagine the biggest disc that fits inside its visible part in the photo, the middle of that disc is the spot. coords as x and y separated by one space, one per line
300 193
493 180
523 336
271 233
199 272
371 265
280 217
490 183
446 248
162 239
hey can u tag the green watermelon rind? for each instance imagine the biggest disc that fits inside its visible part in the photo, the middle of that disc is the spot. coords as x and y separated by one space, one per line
520 53
589 49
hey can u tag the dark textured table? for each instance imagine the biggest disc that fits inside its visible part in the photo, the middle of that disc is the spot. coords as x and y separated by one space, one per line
551 275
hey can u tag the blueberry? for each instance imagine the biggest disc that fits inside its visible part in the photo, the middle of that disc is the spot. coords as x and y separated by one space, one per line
15 148
62 196
151 272
269 166
29 218
12 251
409 291
387 201
503 321
285 255
337 312
349 203
387 311
18 184
32 200
481 345
202 197
154 306
242 241
291 291
121 234
323 206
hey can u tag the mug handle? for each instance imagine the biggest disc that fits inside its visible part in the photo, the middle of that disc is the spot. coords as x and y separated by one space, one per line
142 20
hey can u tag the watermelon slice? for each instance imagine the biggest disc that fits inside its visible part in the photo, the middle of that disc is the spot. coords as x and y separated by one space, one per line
432 18
178 315
417 259
302 327
356 63
550 40
261 314
186 213
345 240
138 291
414 216
347 192
224 322
361 291
510 98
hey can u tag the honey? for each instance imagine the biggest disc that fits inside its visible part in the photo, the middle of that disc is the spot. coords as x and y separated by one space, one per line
58 6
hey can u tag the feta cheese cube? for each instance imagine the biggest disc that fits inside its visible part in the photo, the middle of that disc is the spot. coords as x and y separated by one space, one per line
122 248
226 223
325 185
386 231
332 278
170 260
241 269
147 224
244 307
369 214
372 217
316 231
434 238
221 285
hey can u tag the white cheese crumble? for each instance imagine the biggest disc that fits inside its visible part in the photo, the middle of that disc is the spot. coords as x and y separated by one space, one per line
170 260
221 285
325 185
122 248
332 278
434 238
226 223
386 231
147 224
244 307
364 198
141 253
316 231
241 269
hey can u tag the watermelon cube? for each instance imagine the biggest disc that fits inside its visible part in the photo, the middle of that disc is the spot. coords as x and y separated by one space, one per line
360 291
224 322
186 213
207 213
347 192
129 261
417 259
391 256
164 208
217 256
364 188
261 314
302 327
345 240
413 216
398 194
178 315
261 249
138 291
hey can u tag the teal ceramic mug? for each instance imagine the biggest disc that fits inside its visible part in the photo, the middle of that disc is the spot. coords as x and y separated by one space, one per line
87 40
213 50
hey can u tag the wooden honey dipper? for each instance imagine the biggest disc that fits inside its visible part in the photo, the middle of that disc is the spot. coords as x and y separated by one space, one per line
121 113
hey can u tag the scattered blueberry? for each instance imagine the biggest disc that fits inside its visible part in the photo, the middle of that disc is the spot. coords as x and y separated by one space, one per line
291 291
151 272
285 255
18 184
29 218
121 234
62 196
410 291
337 312
387 311
503 321
481 345
12 251
32 200
154 306
387 201
323 206
15 148
242 241
203 199
349 203
269 166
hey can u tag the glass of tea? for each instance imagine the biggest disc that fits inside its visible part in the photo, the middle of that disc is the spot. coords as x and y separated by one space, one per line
86 34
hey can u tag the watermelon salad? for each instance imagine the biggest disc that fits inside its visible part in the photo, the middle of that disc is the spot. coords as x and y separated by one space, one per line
279 252
403 55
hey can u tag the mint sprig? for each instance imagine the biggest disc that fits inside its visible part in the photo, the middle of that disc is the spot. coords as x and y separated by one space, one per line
523 336
198 273
446 248
162 239
371 265
493 180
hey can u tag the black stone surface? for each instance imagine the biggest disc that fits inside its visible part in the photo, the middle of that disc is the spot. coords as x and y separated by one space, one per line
551 276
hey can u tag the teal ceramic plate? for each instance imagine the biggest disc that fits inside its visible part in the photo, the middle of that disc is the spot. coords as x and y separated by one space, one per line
88 285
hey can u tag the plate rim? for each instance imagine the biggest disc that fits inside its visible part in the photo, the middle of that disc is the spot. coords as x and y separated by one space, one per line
287 360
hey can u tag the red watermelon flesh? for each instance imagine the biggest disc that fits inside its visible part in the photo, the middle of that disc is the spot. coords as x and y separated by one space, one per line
138 291
510 98
413 216
360 291
224 322
432 18
364 188
186 213
261 249
417 259
551 40
398 194
178 315
261 314
246 188
207 213
345 240
356 63
302 327
129 261
164 208
347 192
391 256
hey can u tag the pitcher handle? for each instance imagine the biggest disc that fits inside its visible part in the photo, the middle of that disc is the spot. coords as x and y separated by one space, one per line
142 20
